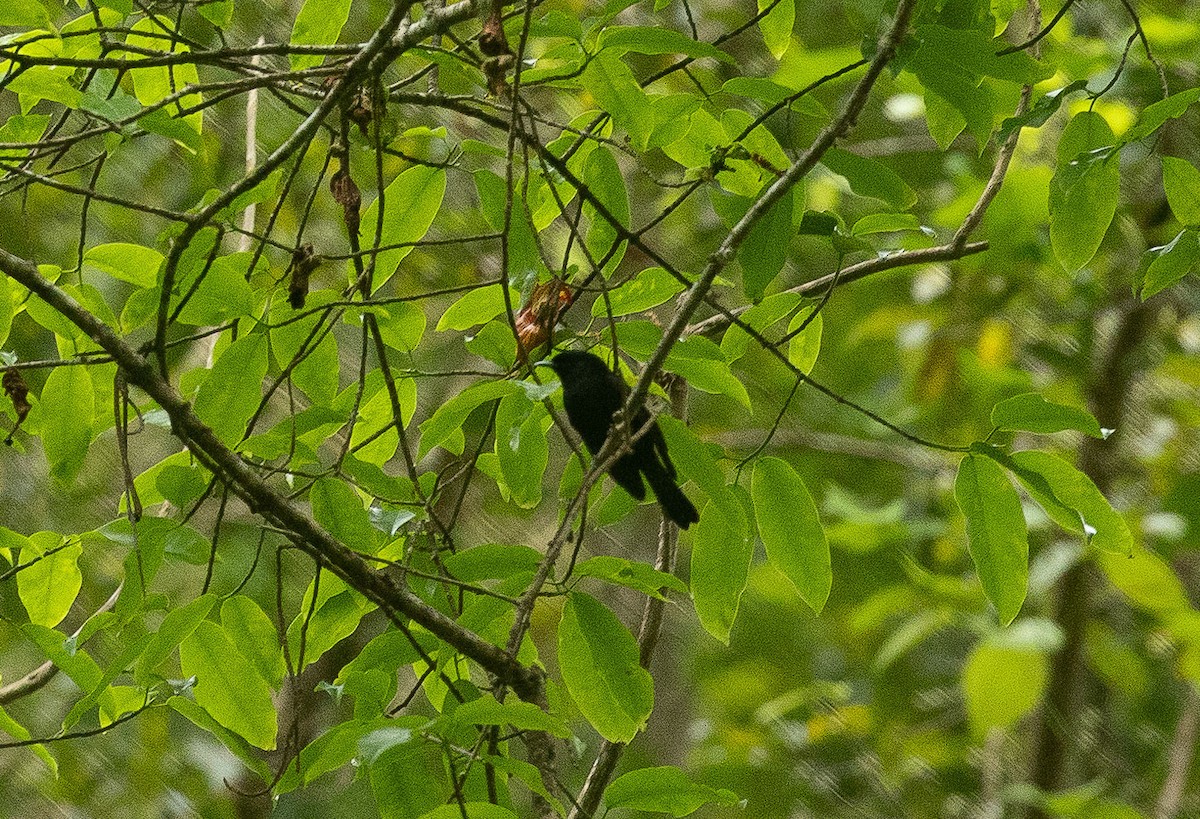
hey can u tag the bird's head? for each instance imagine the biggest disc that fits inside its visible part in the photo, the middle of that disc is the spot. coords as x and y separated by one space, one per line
576 366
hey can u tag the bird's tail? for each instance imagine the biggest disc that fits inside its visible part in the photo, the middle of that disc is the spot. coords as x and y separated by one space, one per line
674 503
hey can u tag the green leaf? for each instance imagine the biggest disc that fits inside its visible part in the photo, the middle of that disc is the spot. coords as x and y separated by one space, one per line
759 317
776 26
477 306
695 461
631 574
870 177
339 509
339 611
11 541
49 587
265 190
411 202
252 631
643 291
522 246
805 346
721 556
1181 180
1105 528
24 14
598 658
218 12
973 51
645 40
995 531
27 129
319 22
772 93
1154 116
182 131
495 342
1084 190
765 248
73 661
224 294
1170 263
671 117
113 701
603 177
51 319
147 547
1033 413
1002 684
492 561
233 390
335 748
1147 580
1037 486
885 223
177 625
701 362
522 448
370 678
66 410
528 775
228 686
402 324
18 731
448 419
524 716
615 90
407 776
116 108
791 529
1041 111
663 790
950 104
317 377
155 83
43 82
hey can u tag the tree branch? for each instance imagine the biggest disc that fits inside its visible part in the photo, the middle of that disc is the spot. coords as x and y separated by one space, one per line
265 501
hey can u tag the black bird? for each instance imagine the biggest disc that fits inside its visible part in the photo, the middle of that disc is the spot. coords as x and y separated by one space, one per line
592 393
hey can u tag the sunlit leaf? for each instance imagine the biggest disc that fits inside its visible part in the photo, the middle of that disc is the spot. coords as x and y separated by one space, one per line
1083 193
599 662
340 510
228 686
1170 263
995 531
720 567
411 202
49 586
765 248
319 22
663 790
776 26
232 392
67 409
791 529
613 85
1033 413
1181 180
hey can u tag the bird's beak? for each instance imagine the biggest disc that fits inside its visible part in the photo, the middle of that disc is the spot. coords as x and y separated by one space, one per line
544 363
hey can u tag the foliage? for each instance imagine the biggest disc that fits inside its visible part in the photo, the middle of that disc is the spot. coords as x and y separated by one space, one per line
290 513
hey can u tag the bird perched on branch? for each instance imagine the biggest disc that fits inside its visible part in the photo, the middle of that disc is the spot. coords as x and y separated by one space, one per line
592 393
